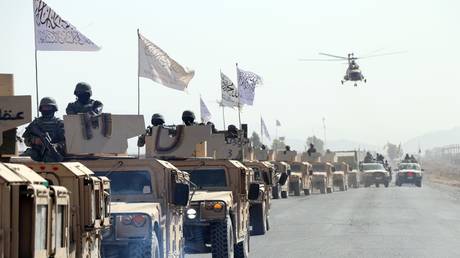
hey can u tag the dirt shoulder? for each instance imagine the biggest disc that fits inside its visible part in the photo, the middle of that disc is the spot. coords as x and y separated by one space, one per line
441 172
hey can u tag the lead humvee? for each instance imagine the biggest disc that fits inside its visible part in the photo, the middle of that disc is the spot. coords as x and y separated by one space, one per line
148 195
218 218
34 218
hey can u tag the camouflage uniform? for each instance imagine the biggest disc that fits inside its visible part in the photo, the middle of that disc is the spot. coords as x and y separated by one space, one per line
47 124
157 120
84 103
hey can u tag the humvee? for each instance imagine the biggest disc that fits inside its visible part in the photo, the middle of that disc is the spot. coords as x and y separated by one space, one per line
279 177
34 218
218 218
148 195
340 175
282 171
374 173
302 168
322 177
259 209
295 176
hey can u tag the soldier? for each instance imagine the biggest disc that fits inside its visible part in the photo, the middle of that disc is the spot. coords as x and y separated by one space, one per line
413 159
84 103
368 158
407 158
45 135
232 133
188 117
157 120
311 150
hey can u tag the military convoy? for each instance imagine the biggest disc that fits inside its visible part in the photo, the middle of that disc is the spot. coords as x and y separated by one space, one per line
197 190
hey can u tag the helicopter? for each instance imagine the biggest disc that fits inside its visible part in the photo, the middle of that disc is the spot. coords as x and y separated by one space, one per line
353 72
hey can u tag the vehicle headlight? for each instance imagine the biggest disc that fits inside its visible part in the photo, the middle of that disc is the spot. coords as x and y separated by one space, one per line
137 220
191 213
217 206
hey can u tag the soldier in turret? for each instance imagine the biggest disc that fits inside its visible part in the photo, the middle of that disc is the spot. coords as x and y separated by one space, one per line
45 135
188 117
157 120
84 102
311 150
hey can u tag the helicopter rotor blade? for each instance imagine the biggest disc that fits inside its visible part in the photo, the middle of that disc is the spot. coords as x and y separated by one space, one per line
341 57
384 54
320 60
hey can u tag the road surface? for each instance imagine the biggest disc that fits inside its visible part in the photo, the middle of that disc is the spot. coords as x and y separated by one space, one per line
366 222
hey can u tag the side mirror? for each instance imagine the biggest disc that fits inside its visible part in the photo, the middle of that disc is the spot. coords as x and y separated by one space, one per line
266 178
254 191
311 172
283 178
181 194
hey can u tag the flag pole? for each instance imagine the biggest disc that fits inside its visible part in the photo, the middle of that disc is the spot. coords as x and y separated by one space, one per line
223 114
261 132
138 86
239 116
36 82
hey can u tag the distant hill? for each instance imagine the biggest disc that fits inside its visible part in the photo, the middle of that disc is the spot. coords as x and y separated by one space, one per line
433 139
342 144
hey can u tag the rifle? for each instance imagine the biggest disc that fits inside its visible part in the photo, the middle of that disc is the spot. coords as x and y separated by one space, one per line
46 141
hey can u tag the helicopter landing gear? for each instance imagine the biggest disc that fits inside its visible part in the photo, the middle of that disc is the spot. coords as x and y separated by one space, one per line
342 82
365 80
356 85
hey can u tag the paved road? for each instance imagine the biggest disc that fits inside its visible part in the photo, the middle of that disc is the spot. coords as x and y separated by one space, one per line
366 222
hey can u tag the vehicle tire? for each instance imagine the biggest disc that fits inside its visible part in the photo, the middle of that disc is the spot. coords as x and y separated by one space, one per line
342 186
329 190
387 183
242 248
297 189
377 185
222 239
147 248
284 194
258 219
418 183
267 222
322 188
306 192
276 191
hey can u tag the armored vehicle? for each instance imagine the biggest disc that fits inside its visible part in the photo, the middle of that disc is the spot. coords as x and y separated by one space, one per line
149 195
259 210
282 171
34 218
218 218
374 173
303 170
352 159
322 177
340 175
409 173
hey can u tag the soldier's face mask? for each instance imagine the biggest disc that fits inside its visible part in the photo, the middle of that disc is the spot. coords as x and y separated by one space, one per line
84 97
47 111
188 120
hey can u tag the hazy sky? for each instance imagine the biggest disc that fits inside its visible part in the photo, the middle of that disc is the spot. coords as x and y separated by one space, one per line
405 96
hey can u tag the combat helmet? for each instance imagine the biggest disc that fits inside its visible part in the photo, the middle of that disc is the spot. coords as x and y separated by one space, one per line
48 101
82 87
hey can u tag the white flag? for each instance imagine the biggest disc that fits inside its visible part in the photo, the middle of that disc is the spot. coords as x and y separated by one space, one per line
247 82
156 65
205 114
52 33
229 92
264 130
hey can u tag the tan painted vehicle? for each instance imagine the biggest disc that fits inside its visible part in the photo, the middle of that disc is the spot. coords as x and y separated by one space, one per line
218 218
34 218
340 175
352 159
281 189
322 177
149 196
279 176
259 209
303 169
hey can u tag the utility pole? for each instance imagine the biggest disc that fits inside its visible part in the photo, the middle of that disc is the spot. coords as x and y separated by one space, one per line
324 128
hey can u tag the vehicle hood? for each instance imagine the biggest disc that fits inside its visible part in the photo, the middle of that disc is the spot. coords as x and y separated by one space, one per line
410 170
151 208
225 196
339 173
319 173
376 171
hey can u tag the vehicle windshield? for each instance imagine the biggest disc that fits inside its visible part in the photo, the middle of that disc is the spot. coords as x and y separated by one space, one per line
257 173
373 166
338 167
409 166
319 167
129 182
295 167
208 178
